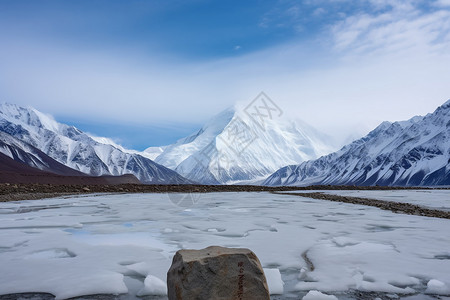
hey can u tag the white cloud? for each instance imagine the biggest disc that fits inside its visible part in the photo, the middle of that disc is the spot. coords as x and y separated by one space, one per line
384 66
443 3
319 11
394 32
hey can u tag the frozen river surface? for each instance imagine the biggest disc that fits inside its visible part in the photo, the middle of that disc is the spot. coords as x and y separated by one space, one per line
434 199
123 244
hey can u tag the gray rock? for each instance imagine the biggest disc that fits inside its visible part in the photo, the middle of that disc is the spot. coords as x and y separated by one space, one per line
216 273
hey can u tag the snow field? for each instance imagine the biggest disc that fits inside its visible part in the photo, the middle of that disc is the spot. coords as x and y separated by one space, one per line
124 244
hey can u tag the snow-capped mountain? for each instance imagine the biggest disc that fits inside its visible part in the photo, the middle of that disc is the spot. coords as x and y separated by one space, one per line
76 149
29 155
22 163
409 153
231 147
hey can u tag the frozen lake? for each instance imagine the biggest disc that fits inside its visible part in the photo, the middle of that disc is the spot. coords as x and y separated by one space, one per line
109 244
434 199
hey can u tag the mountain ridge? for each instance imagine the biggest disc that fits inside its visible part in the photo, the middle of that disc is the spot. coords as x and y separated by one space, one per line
77 150
415 152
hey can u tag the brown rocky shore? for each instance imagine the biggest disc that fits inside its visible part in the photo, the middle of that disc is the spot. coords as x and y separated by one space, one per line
396 207
14 192
29 191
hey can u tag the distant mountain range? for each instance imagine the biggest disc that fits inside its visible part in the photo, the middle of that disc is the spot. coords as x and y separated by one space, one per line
33 134
23 163
12 171
409 153
25 153
233 147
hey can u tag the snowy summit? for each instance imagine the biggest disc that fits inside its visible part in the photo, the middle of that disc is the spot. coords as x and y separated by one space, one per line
234 147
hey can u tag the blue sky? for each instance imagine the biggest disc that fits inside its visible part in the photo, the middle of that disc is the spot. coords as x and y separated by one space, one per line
149 72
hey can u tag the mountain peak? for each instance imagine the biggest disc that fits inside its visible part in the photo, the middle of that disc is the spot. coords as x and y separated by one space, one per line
221 119
235 145
28 116
446 104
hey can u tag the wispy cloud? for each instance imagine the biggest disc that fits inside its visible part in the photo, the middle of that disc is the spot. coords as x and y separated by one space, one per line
400 28
390 59
443 3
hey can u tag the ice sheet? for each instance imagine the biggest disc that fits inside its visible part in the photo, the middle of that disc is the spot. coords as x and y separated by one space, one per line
111 244
316 295
276 284
435 199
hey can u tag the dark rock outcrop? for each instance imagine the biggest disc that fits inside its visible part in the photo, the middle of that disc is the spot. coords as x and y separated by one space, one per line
216 273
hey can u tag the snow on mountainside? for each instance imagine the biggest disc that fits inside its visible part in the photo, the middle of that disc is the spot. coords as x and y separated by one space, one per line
153 152
75 149
22 163
232 147
415 152
29 155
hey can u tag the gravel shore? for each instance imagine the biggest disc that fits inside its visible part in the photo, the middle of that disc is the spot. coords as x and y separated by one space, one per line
15 192
396 207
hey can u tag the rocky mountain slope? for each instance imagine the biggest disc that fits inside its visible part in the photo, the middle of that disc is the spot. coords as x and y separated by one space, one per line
23 163
77 150
26 154
415 152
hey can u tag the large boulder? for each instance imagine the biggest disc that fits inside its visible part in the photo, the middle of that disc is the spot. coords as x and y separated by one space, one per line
216 273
